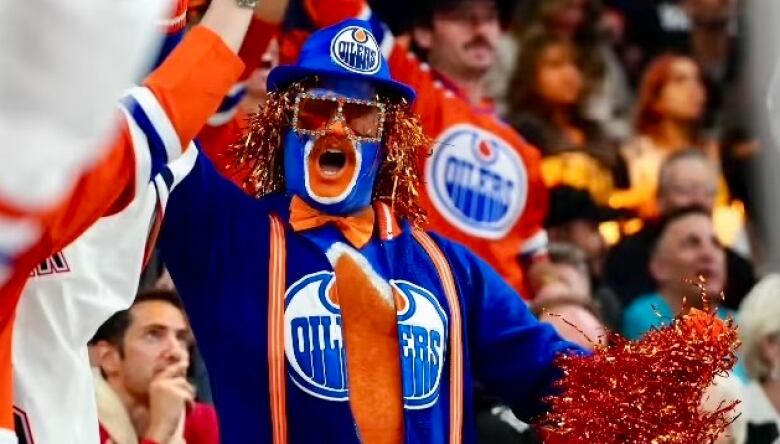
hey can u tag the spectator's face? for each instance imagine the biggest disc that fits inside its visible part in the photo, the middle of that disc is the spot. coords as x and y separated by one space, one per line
333 154
158 336
558 78
687 183
462 41
683 97
687 250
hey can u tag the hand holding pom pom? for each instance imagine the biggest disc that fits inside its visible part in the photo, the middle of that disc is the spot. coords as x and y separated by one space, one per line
648 391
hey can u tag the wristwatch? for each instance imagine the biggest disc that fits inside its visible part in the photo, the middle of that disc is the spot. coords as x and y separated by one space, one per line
247 3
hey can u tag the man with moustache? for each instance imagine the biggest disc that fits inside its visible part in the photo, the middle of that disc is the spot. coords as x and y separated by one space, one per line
483 184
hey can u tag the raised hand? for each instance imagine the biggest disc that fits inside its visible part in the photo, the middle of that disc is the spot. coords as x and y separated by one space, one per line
169 394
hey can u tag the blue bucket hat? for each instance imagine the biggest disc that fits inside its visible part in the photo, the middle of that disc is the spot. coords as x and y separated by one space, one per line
348 50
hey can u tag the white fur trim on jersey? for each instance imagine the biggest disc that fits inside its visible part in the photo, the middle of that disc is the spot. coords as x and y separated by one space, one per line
536 244
159 119
339 249
179 169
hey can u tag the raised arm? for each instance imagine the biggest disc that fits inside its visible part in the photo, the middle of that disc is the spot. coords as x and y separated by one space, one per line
226 126
64 64
159 119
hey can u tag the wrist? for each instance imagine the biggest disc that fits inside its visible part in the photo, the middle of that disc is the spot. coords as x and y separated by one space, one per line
155 434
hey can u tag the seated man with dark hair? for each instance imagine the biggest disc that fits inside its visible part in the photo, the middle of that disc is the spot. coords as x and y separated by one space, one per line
143 395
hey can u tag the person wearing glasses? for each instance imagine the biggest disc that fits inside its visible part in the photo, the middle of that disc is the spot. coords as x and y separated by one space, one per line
323 311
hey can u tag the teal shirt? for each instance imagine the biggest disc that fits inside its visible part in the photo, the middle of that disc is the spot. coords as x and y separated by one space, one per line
643 314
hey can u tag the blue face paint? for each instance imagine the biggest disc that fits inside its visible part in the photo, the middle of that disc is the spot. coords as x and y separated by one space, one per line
298 161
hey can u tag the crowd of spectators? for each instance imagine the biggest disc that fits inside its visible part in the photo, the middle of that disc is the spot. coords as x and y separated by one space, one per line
634 108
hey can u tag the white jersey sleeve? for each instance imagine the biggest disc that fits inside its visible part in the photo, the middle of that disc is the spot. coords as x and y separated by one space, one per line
65 301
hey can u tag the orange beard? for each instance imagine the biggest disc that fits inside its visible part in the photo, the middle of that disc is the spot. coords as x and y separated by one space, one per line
331 166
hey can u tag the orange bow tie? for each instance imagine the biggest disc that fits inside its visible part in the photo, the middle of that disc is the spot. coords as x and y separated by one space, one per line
357 228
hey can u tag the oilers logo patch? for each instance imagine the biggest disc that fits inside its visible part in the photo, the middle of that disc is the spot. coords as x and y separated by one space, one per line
355 49
477 181
314 344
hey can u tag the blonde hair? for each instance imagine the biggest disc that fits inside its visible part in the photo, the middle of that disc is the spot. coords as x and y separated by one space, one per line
759 317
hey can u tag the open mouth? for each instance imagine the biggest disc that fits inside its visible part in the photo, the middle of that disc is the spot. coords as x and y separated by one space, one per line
332 162
332 166
331 158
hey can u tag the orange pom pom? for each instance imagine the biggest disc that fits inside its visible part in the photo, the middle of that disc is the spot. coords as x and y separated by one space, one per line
647 391
704 322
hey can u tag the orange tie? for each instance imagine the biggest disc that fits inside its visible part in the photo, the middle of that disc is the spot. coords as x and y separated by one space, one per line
356 228
370 330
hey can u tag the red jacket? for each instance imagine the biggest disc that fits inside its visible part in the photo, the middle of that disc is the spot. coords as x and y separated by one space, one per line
200 427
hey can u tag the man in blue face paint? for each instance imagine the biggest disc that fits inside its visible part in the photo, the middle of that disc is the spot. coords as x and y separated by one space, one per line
323 312
332 156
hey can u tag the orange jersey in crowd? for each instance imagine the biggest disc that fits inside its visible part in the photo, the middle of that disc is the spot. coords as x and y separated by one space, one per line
483 183
172 106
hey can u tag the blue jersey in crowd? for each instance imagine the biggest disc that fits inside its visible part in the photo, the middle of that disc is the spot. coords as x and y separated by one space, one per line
216 244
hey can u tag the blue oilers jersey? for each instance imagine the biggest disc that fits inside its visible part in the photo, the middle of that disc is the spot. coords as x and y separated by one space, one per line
215 241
